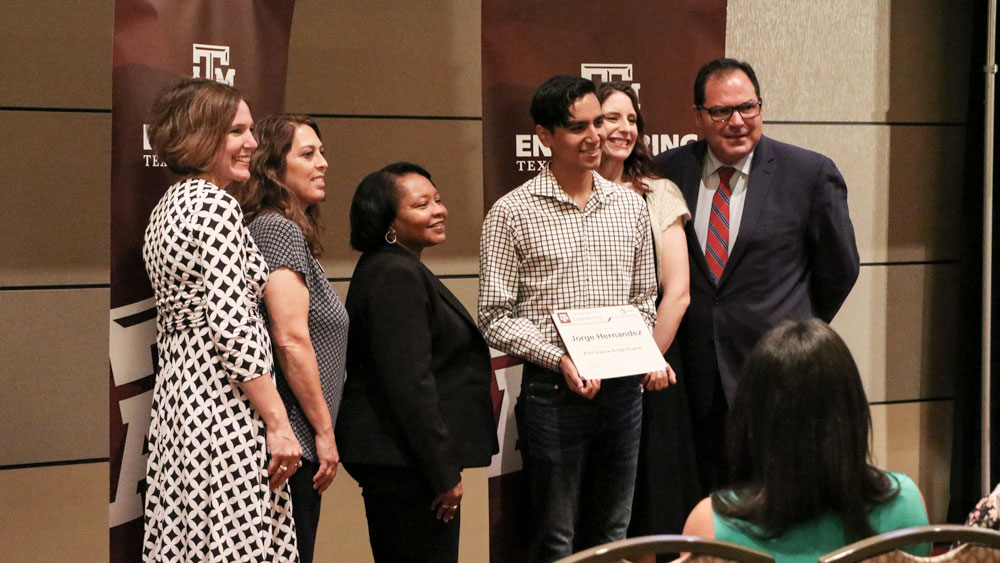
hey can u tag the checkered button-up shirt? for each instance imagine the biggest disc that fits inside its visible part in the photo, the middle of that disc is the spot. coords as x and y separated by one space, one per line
539 252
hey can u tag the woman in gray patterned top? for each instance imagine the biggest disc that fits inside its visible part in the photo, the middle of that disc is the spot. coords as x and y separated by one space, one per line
308 323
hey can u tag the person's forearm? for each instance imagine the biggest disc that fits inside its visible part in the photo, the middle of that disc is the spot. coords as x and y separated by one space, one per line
264 397
520 337
668 318
675 277
283 448
298 363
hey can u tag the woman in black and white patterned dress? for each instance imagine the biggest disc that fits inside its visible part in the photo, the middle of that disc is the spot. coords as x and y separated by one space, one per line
308 323
212 492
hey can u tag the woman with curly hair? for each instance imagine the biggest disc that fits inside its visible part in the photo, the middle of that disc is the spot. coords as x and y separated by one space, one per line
307 321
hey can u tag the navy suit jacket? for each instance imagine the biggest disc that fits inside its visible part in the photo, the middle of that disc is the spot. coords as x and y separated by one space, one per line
418 373
795 257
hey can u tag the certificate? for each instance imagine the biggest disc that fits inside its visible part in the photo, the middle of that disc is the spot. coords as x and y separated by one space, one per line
606 342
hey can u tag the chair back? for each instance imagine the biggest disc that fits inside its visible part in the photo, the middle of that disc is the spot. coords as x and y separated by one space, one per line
979 545
700 549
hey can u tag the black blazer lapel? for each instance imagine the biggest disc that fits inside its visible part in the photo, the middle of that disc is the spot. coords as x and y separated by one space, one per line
690 180
758 187
450 298
442 290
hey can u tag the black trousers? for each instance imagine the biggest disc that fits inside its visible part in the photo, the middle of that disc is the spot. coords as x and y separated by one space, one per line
401 524
305 508
709 431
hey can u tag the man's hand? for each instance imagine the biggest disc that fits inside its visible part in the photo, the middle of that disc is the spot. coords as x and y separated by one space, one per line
585 388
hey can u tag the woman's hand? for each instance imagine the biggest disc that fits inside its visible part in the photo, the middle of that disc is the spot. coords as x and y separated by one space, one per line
447 503
329 459
285 453
657 380
281 441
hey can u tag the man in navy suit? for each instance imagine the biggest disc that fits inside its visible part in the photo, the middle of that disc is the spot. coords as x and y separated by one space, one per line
771 239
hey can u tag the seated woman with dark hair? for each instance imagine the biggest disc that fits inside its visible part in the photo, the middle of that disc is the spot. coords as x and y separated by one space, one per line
798 430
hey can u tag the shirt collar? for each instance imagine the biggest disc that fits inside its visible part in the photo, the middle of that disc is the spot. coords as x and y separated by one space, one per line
712 164
546 185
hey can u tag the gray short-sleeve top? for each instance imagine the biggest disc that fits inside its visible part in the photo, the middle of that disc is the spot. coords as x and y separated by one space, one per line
283 245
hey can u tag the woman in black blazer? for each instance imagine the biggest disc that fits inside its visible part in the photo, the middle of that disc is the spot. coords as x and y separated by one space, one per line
416 408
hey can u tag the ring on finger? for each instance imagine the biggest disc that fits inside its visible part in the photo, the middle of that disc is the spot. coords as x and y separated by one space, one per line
283 468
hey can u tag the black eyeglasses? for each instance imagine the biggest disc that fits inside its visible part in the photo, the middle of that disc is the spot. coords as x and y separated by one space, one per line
748 110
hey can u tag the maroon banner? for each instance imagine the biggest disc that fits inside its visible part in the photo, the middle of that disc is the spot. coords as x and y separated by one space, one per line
238 42
658 48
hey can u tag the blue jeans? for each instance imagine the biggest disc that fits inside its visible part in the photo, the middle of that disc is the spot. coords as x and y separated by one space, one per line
580 460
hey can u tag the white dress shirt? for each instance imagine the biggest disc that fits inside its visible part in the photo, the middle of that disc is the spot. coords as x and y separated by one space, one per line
710 183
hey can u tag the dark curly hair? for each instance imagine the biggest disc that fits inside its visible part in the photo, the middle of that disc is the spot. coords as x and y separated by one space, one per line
264 191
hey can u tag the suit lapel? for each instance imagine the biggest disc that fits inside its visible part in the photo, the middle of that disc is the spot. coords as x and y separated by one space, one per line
690 184
758 187
442 290
450 298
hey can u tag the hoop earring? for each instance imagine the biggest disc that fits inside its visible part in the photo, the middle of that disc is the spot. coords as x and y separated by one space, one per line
392 240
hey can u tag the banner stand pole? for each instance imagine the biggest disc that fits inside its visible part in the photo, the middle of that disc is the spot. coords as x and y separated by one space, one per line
990 71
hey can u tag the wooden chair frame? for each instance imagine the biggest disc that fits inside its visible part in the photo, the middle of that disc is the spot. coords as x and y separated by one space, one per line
889 541
697 546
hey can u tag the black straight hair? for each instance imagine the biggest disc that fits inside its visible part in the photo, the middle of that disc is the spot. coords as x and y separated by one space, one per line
375 203
797 436
550 106
719 67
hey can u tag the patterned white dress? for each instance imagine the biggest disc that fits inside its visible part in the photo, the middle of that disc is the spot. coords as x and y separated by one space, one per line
207 496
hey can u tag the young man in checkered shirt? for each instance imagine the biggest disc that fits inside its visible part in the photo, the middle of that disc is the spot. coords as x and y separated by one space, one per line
569 239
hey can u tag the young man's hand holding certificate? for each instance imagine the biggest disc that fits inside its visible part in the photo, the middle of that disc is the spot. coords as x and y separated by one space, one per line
606 342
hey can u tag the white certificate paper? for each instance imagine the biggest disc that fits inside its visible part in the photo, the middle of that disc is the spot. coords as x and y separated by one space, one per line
606 342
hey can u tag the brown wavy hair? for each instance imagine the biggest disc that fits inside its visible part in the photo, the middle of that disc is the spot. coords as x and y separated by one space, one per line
265 190
189 121
639 166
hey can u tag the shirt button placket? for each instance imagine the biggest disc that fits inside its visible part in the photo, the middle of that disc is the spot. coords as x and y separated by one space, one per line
584 244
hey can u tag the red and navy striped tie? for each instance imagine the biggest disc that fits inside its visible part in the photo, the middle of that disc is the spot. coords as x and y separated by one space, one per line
717 244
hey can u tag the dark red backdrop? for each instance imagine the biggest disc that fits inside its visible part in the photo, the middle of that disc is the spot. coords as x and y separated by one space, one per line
658 45
156 42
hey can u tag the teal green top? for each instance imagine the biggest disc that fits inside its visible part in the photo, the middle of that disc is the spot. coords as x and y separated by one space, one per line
805 542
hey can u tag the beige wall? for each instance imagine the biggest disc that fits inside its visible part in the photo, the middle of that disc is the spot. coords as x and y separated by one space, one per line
849 78
879 87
